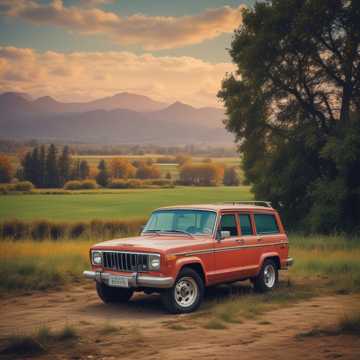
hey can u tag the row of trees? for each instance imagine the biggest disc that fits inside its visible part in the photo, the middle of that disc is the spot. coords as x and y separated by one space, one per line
47 168
50 167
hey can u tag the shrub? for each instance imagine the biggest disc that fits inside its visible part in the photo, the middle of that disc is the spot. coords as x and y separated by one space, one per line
78 229
126 184
40 230
88 184
159 182
72 185
15 229
22 186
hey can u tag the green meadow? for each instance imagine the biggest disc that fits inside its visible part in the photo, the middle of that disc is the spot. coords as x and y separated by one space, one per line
110 204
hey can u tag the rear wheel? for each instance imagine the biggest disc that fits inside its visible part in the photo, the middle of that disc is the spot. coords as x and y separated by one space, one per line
267 278
110 294
186 294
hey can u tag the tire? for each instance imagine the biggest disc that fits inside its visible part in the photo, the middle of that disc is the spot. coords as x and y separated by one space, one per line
113 294
186 295
267 278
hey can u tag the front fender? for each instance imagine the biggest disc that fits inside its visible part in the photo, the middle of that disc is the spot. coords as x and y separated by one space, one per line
184 261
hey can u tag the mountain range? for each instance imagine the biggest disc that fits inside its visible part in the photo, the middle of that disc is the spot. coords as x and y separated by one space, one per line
121 118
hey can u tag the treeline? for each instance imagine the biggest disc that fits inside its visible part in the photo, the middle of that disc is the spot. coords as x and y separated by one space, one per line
51 167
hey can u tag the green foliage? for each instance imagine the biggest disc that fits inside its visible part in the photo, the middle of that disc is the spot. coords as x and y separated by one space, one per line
231 177
103 176
295 110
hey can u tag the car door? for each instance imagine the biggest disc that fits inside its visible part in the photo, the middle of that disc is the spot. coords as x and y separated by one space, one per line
250 250
228 251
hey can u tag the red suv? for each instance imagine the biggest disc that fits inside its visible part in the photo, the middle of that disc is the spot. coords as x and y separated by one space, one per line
183 249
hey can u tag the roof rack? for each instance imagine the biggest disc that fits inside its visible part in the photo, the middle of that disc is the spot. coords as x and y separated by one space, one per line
260 203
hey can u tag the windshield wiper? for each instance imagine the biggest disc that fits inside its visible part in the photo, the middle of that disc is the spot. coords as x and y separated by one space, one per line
181 232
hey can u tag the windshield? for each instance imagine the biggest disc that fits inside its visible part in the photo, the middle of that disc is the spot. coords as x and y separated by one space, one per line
194 222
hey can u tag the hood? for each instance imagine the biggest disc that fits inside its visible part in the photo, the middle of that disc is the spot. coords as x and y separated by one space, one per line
153 243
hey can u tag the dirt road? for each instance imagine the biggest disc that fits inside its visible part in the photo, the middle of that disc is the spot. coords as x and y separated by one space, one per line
145 331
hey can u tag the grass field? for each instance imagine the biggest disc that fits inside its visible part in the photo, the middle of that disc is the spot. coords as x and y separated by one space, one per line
111 204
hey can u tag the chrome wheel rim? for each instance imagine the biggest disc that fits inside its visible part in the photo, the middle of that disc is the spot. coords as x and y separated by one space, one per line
269 276
186 292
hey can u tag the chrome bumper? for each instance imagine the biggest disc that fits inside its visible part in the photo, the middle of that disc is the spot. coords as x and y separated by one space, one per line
289 262
134 279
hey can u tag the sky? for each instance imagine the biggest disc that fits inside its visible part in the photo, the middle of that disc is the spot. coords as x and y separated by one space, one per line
80 50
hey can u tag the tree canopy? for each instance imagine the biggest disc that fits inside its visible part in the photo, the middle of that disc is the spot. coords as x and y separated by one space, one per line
294 107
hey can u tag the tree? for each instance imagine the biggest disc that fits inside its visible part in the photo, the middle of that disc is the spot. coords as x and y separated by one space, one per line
84 170
201 174
103 176
148 172
65 165
5 169
42 166
122 168
296 101
231 177
52 173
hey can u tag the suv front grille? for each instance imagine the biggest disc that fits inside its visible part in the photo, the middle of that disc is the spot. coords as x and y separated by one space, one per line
125 261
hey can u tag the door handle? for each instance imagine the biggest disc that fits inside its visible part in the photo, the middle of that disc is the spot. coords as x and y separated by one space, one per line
241 241
259 238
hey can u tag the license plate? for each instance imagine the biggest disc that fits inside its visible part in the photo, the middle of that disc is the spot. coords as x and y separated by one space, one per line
118 281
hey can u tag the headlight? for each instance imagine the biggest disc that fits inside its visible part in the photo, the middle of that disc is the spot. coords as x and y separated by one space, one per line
154 262
96 257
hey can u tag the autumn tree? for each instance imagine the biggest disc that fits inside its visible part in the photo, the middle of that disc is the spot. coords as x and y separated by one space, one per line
148 172
122 168
202 174
84 170
5 169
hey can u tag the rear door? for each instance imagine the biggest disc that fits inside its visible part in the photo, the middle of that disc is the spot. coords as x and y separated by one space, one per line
228 253
250 252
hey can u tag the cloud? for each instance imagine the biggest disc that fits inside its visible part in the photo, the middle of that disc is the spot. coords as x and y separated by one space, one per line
81 76
150 32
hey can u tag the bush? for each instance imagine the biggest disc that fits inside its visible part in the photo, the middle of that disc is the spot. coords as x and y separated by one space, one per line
40 230
159 182
21 186
14 229
72 185
87 184
126 184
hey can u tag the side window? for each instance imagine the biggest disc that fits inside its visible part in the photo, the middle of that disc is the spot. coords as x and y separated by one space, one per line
266 224
228 223
245 224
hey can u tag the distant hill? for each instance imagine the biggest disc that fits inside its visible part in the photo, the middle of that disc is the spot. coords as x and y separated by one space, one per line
122 118
123 100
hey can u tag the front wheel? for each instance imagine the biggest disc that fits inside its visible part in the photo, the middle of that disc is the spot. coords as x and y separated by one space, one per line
187 293
267 278
110 294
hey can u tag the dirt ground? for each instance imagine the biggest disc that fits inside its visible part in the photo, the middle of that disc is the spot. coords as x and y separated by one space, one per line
146 331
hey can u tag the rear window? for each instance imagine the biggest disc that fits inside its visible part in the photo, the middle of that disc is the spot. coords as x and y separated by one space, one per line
266 224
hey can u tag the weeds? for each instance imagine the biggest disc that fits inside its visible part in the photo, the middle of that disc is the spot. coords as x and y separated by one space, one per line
38 342
215 324
108 328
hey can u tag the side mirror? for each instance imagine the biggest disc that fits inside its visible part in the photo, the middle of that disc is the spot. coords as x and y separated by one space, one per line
223 235
141 229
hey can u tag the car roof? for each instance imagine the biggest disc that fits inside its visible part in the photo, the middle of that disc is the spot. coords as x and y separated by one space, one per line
218 207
